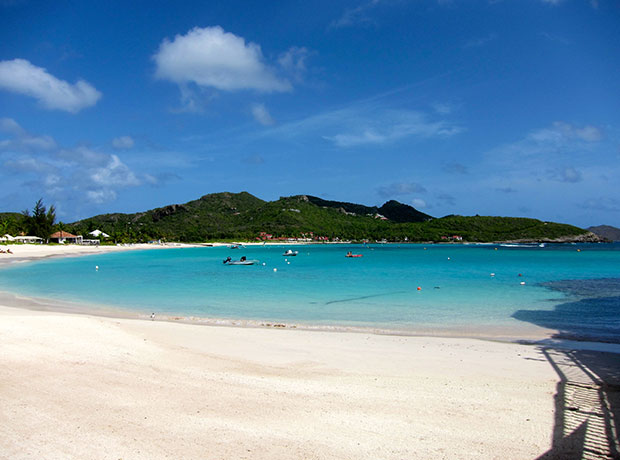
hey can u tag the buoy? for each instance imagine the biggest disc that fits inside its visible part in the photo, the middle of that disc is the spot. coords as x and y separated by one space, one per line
275 269
578 250
496 249
96 267
419 288
492 274
264 264
448 258
520 274
288 263
522 283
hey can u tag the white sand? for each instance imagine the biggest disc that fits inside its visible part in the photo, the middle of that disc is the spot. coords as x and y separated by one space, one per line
79 386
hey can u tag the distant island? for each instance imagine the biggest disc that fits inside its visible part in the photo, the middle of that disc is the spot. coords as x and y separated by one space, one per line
606 231
244 217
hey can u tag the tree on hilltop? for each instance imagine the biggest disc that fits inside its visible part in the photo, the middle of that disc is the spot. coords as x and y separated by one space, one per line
41 222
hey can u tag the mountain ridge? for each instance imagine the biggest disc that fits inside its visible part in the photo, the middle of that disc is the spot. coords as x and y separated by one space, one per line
242 216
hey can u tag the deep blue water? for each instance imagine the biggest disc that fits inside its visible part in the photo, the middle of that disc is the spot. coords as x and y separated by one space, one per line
571 288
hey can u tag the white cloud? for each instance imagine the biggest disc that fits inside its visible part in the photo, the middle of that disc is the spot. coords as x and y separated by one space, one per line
418 203
442 108
20 76
357 15
123 142
390 126
22 141
261 114
559 138
63 173
211 57
114 173
293 62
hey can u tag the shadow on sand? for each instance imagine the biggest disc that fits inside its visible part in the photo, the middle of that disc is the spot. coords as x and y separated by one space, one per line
587 399
587 405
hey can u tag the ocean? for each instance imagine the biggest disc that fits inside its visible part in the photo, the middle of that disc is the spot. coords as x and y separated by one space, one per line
463 290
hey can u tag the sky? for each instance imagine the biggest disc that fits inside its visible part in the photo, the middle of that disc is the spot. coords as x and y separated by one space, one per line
489 107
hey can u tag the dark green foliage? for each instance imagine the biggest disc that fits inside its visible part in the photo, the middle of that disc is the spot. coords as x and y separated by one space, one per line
393 210
41 222
11 223
241 216
399 212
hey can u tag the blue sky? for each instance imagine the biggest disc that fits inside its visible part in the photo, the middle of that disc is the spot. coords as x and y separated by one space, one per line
483 107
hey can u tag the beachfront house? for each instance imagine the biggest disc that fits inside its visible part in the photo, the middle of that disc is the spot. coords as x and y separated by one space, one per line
6 238
63 237
28 239
99 233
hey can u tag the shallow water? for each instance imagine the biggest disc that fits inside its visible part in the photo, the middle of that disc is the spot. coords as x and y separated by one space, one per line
462 288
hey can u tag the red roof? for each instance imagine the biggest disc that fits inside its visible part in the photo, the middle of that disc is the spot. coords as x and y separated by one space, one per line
62 234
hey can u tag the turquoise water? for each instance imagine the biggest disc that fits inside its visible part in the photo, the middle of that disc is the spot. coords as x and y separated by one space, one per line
321 287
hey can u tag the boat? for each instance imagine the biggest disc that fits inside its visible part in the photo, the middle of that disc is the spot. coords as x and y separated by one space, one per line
242 261
350 254
290 253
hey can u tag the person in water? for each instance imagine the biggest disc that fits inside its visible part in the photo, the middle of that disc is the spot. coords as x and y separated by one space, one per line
242 258
227 259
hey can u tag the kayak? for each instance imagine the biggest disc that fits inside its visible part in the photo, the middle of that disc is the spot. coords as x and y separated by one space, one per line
355 255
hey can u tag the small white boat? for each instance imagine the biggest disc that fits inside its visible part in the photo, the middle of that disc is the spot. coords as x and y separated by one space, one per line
290 253
242 262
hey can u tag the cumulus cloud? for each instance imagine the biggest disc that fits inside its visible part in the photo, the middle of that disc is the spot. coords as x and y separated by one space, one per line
261 114
400 188
64 173
211 57
123 142
114 173
22 77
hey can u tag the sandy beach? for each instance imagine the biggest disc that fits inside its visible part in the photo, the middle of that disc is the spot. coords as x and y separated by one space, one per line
81 386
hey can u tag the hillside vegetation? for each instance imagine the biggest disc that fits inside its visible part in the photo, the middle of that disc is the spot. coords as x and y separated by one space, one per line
242 216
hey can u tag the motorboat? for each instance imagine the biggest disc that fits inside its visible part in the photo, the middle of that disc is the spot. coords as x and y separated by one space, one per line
290 253
242 261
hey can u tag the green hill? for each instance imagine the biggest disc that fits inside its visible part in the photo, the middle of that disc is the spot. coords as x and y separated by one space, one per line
242 216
